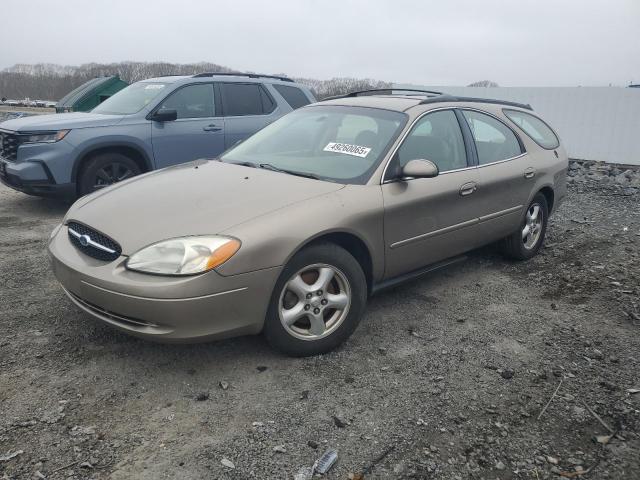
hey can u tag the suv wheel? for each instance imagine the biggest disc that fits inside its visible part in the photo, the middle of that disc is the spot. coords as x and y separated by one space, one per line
317 302
105 169
527 240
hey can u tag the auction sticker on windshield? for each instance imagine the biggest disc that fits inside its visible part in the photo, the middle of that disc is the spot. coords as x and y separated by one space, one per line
355 150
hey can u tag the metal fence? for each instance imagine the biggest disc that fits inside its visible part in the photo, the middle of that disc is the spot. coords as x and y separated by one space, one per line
595 123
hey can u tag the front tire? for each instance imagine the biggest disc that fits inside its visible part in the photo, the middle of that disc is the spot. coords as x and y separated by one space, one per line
525 242
317 302
105 169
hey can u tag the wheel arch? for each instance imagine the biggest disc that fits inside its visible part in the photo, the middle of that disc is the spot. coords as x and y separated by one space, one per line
549 195
130 150
352 243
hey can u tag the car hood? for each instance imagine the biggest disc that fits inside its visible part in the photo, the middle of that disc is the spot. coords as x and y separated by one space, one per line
195 198
60 121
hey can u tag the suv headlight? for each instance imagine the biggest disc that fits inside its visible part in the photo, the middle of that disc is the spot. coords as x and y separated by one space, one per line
184 256
45 137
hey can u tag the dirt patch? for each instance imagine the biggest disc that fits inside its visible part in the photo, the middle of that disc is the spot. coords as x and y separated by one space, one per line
444 378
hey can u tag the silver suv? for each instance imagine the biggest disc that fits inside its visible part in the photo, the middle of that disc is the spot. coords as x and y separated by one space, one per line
150 124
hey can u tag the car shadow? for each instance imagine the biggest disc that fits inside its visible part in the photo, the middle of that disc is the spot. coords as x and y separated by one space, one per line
29 205
253 349
178 356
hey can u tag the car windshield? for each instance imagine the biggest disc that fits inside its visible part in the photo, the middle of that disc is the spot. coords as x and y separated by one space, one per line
131 99
336 143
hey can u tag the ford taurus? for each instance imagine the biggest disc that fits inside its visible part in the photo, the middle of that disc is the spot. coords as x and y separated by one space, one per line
289 232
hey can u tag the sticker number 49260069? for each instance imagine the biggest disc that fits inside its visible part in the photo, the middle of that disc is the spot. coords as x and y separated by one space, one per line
355 150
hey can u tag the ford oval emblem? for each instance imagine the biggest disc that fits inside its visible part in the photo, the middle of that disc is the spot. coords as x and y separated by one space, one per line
84 240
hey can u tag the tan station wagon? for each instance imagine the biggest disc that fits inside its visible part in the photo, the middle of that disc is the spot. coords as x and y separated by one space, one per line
289 232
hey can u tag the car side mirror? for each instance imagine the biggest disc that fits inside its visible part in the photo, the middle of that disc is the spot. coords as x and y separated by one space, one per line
164 115
419 169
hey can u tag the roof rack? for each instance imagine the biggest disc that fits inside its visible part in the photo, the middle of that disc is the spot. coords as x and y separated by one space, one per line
250 75
451 98
379 91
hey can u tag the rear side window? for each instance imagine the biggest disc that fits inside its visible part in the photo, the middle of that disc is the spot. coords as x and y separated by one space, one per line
534 127
193 101
293 95
240 99
494 140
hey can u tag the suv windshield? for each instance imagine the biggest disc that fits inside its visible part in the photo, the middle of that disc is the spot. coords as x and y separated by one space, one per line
342 144
131 99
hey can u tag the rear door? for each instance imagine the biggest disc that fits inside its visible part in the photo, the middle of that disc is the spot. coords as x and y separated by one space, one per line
430 219
247 107
197 133
505 173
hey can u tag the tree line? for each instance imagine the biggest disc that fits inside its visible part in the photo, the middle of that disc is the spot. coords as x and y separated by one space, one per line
52 82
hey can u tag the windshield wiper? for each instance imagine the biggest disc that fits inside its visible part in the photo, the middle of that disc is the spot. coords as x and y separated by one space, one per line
268 166
245 164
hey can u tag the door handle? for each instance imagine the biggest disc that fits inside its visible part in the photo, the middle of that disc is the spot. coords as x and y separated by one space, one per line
529 172
468 188
212 128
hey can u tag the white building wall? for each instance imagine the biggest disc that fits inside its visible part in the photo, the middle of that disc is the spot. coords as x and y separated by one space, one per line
594 123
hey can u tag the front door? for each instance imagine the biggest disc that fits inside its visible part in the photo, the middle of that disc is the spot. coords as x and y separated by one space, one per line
430 219
197 133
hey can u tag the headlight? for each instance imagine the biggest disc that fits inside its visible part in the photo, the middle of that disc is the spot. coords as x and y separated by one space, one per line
48 137
184 256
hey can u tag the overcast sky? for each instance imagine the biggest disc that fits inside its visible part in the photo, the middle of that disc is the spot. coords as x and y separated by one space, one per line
452 42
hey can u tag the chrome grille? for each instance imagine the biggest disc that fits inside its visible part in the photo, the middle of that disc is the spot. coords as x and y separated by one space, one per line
93 243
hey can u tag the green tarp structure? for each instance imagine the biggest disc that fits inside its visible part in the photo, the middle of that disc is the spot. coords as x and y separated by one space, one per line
90 94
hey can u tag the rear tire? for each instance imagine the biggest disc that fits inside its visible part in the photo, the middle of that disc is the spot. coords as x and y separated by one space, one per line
105 169
317 301
525 242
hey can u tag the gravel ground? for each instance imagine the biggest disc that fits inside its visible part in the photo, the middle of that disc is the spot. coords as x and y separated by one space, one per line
447 377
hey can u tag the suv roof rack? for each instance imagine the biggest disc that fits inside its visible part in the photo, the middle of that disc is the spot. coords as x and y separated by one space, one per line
451 98
379 91
250 75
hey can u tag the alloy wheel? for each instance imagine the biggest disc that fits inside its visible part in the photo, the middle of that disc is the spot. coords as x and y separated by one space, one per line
110 174
533 226
314 302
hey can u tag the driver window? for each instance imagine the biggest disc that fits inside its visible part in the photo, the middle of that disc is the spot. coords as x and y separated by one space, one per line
194 101
436 137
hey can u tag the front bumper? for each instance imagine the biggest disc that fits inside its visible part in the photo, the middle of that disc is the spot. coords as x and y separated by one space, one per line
169 309
33 178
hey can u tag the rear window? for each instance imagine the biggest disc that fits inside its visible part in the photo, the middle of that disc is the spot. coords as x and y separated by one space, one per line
534 127
293 95
240 99
494 140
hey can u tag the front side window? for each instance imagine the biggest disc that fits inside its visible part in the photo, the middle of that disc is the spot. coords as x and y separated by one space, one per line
336 143
192 101
494 140
436 137
239 99
131 99
293 95
534 127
